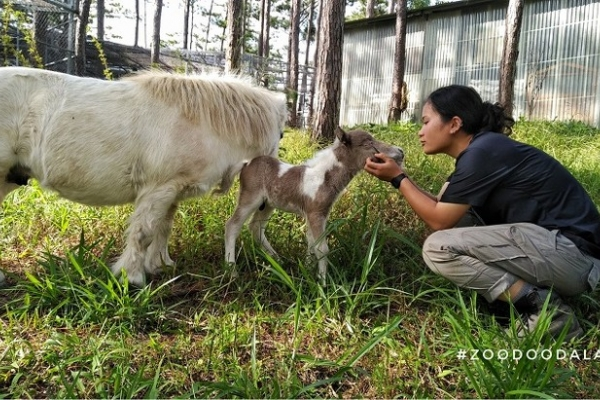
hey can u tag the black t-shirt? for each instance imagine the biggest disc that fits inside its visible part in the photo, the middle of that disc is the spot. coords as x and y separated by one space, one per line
506 181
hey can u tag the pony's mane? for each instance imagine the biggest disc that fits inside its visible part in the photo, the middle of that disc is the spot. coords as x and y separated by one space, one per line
229 103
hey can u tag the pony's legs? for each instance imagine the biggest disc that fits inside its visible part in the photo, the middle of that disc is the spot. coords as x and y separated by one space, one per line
317 241
5 185
157 254
233 226
149 215
257 226
5 188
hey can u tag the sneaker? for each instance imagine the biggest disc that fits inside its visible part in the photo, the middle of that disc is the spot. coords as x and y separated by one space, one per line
530 308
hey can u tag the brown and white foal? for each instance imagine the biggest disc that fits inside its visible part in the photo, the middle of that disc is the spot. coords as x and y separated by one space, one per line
309 190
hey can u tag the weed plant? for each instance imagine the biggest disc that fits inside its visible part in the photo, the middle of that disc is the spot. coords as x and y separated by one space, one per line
383 326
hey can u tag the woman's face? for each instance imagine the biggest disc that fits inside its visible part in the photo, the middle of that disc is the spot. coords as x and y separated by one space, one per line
435 134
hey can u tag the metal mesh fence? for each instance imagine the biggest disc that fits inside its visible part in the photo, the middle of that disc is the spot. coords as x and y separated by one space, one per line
37 33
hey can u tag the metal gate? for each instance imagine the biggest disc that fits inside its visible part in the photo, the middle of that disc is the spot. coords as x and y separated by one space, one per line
38 33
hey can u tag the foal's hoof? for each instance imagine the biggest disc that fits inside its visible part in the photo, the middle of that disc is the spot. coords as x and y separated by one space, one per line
233 272
230 268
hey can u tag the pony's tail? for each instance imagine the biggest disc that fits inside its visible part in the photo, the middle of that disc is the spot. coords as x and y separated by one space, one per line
228 178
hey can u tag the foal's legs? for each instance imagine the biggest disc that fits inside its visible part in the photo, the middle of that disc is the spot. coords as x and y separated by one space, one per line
151 210
246 206
157 254
317 241
257 226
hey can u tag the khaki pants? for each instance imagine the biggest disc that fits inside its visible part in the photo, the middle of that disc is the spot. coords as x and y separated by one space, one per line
490 259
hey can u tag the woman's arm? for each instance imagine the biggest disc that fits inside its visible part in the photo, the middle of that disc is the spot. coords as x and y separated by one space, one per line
438 215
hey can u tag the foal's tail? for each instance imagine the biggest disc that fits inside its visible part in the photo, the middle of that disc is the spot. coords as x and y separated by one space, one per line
228 178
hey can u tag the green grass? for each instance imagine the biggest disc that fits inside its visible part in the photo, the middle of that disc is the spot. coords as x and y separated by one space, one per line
382 327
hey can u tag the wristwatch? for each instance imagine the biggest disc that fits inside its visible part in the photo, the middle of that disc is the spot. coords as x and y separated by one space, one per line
397 180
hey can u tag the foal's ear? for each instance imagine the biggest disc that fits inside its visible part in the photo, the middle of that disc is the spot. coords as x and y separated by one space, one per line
342 135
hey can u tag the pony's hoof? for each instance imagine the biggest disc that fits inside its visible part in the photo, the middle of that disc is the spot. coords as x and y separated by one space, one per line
155 269
135 278
158 264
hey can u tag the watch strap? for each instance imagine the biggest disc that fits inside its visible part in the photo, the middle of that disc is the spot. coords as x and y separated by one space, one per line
396 181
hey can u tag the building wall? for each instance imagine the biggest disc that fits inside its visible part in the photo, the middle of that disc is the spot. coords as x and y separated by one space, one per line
461 43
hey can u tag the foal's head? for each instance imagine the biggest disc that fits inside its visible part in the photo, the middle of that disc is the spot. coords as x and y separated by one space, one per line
358 145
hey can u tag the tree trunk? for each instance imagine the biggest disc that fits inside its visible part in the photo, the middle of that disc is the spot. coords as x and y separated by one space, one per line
82 23
399 101
303 84
292 76
329 69
510 54
247 13
261 32
100 9
155 50
370 8
263 40
315 78
186 23
234 36
266 28
145 2
208 24
136 35
191 40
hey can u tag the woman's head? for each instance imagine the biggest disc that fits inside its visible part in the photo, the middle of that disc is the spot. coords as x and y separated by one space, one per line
466 104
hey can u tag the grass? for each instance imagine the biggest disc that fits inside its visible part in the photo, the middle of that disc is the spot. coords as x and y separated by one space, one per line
382 327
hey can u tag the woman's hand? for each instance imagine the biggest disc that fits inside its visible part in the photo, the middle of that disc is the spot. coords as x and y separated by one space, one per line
382 167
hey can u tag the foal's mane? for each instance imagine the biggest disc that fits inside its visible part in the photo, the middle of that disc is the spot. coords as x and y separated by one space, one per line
321 156
230 104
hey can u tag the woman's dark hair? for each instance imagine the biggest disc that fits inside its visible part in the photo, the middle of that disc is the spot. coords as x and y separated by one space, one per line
476 115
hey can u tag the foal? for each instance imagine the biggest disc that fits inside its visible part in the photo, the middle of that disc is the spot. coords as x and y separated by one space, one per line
308 189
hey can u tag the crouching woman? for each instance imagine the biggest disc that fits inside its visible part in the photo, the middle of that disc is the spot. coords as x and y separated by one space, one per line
533 232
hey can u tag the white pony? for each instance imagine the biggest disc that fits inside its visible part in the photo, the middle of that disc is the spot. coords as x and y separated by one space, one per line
153 139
